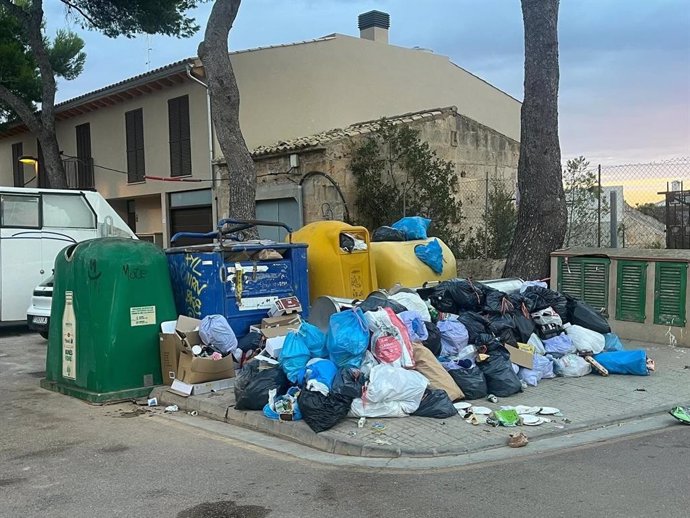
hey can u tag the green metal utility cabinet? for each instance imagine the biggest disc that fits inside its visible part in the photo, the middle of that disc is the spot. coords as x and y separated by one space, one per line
645 292
109 299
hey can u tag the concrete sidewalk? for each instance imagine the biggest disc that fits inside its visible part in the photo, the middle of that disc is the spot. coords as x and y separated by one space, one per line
589 402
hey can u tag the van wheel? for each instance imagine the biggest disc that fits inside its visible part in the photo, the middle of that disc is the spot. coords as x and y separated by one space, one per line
44 334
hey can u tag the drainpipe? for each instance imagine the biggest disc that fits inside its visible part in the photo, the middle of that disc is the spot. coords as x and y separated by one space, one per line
210 133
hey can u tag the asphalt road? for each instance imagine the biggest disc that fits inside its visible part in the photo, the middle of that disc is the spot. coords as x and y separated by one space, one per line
61 457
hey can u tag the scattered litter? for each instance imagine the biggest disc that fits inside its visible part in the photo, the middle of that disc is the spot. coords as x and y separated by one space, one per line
152 402
566 420
463 405
532 420
378 427
193 413
352 433
491 398
172 408
517 440
640 390
361 422
382 441
549 410
480 410
681 413
523 409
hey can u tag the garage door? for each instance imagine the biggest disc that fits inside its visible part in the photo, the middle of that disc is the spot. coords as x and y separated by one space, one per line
191 219
284 210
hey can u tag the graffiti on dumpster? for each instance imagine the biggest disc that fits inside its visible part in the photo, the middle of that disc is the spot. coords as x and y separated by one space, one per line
189 277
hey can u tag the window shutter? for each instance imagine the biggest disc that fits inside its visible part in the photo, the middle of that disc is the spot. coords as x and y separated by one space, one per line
631 291
669 293
586 279
180 141
134 129
595 279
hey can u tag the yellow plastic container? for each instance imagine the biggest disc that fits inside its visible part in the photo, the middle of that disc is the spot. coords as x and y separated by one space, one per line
333 271
396 263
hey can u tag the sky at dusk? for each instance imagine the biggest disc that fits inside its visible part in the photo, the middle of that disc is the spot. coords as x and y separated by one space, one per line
625 64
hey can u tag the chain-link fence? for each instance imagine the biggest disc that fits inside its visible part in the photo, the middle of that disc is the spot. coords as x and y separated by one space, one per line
643 205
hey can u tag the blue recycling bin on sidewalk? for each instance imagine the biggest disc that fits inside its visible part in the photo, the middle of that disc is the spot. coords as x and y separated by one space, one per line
238 280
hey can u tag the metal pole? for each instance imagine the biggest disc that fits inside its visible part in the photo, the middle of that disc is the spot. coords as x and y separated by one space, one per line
599 208
486 215
614 220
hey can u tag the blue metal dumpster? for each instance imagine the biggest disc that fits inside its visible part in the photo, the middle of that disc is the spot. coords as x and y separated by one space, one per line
229 278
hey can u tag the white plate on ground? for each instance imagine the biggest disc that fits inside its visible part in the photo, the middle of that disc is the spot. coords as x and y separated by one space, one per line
548 410
523 409
463 405
531 420
480 410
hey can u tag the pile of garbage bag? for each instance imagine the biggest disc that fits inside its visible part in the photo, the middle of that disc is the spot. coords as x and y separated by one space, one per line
403 354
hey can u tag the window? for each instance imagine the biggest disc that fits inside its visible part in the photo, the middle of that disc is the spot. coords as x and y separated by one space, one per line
17 167
585 278
19 211
670 285
631 293
134 129
180 144
67 211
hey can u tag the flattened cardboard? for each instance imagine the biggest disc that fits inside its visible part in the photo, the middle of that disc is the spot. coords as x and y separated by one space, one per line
193 369
186 389
522 358
285 306
283 320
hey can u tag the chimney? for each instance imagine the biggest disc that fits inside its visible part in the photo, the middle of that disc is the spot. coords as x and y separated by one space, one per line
374 26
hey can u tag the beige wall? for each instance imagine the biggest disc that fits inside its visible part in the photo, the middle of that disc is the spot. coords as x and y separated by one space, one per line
299 90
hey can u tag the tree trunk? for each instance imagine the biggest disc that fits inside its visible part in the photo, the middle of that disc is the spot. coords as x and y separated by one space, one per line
542 215
225 109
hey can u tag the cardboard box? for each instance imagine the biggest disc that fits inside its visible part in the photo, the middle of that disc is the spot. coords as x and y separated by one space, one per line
285 306
194 369
187 389
522 358
176 336
279 326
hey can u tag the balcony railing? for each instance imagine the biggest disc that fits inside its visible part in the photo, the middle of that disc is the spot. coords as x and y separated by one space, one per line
79 173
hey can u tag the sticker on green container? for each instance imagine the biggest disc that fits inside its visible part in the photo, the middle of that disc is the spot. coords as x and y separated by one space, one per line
142 316
69 339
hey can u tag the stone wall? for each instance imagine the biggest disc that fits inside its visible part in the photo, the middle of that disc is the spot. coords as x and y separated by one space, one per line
478 153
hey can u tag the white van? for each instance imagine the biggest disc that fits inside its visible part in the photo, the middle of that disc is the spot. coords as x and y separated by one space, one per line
35 224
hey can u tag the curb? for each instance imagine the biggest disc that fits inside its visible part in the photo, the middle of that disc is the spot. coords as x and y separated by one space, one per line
217 408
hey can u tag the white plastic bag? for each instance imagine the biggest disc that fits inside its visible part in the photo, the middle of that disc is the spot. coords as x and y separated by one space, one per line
571 366
386 409
546 317
542 369
388 383
585 340
535 341
412 302
216 332
390 342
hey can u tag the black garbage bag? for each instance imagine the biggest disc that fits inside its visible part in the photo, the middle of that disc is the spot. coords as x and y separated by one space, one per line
487 343
471 381
250 341
501 380
388 234
378 300
503 327
458 295
435 403
252 386
433 343
582 314
524 327
538 298
322 412
498 302
475 323
348 382
507 336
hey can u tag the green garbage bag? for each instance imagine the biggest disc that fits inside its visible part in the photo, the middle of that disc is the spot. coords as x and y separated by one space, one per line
682 414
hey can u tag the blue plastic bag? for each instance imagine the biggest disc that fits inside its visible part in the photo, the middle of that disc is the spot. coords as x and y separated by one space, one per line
348 338
414 227
415 325
542 368
319 375
314 339
559 345
294 357
624 362
613 343
431 255
291 394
